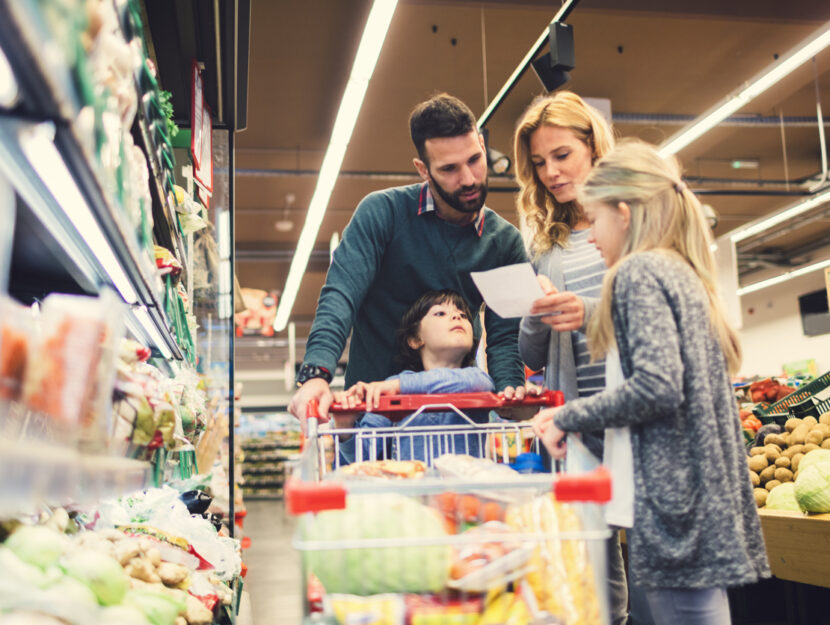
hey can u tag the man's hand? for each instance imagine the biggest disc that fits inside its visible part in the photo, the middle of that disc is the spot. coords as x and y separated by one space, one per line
315 388
551 436
563 311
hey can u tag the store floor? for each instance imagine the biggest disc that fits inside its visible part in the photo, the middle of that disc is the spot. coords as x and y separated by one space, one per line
273 579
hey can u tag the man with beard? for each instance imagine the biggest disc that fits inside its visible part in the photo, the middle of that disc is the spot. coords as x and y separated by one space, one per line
404 241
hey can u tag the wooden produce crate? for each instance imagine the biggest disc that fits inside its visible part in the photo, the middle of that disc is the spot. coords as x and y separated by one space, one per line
798 546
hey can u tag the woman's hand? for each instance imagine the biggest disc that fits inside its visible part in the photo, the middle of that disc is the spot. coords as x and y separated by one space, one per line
518 393
563 311
368 392
551 436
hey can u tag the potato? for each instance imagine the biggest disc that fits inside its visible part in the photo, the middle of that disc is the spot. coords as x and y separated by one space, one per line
825 444
772 484
783 461
783 475
767 474
823 428
811 421
791 424
757 451
799 434
789 452
761 497
795 460
758 463
772 452
809 447
825 418
776 439
814 437
754 478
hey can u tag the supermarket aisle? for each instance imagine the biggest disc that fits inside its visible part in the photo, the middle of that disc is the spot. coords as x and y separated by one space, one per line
273 566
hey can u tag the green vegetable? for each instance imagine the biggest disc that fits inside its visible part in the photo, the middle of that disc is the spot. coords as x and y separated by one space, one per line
103 574
159 608
16 571
37 545
812 487
371 570
782 497
814 456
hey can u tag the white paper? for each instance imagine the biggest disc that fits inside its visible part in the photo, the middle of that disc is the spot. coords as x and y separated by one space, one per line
509 291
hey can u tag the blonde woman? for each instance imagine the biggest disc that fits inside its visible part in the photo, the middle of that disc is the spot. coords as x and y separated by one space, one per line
556 144
695 528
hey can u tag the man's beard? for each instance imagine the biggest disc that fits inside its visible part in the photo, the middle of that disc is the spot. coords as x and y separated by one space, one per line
455 201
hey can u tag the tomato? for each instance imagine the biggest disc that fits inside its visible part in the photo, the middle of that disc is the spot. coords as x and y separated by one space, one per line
469 508
492 511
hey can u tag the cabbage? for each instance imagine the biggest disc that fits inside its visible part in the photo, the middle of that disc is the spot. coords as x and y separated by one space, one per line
103 574
374 570
812 487
123 615
14 571
159 608
811 457
782 497
37 545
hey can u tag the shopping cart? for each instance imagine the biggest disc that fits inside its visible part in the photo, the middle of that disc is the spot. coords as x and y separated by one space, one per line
483 548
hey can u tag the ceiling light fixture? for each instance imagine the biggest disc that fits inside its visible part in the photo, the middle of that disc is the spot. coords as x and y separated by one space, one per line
760 83
795 273
767 223
371 42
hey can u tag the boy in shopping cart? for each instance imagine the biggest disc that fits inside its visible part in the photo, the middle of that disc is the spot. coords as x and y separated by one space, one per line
435 349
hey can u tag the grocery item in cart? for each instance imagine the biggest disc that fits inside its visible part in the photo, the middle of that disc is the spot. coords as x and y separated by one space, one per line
491 563
559 571
389 469
416 564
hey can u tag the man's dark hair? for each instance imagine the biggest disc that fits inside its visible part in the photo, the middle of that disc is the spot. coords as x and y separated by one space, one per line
441 116
410 359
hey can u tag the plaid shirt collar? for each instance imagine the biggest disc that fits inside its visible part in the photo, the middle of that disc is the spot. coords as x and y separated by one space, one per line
426 204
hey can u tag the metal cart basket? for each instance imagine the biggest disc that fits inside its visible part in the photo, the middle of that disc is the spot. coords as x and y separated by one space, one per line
469 541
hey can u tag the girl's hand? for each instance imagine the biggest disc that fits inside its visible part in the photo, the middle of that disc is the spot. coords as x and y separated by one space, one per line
563 311
551 436
370 393
518 413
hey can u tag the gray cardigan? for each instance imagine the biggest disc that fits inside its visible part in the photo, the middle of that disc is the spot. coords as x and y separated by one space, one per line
695 520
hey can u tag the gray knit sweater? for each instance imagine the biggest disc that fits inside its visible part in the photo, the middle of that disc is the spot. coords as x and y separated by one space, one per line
695 520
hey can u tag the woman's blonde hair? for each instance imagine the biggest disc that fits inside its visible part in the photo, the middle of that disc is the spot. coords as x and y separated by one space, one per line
666 217
548 221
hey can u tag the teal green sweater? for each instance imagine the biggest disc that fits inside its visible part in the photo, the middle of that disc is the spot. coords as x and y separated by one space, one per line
391 253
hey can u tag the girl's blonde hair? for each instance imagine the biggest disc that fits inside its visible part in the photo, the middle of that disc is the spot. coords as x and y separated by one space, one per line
548 221
665 217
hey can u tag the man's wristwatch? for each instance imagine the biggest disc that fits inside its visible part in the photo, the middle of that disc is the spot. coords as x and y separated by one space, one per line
307 372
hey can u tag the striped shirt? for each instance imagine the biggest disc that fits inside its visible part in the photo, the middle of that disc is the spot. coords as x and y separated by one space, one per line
583 268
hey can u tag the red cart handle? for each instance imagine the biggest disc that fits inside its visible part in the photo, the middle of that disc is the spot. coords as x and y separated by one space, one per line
407 404
594 486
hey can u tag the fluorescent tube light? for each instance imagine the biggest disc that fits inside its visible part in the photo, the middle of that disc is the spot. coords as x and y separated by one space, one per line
368 51
36 143
763 81
763 284
788 213
147 330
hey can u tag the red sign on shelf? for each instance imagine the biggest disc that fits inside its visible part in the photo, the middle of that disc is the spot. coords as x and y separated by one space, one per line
201 138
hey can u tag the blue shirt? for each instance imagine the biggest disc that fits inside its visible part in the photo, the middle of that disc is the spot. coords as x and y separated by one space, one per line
402 443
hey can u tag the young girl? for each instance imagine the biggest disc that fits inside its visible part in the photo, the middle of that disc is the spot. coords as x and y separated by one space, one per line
695 528
435 349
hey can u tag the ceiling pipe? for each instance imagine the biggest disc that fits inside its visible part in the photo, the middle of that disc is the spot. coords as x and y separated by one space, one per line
821 139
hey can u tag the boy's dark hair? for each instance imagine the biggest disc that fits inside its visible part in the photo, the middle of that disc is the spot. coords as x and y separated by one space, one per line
441 116
410 359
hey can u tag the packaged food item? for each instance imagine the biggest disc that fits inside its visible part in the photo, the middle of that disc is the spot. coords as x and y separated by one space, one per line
16 331
71 373
442 610
391 469
498 559
166 262
386 609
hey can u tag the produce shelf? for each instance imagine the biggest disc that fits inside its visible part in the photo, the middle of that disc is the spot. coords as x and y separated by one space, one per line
798 546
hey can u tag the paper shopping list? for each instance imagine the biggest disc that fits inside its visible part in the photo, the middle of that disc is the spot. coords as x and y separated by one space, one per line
509 291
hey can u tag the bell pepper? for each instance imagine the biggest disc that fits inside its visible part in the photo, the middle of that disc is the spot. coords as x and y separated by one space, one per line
751 423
